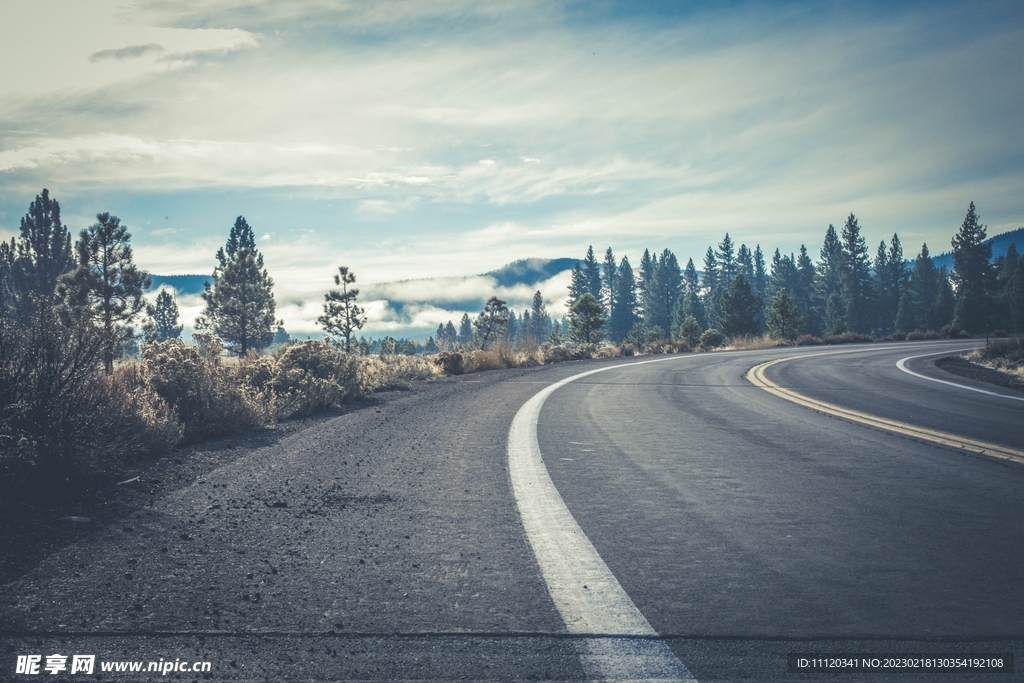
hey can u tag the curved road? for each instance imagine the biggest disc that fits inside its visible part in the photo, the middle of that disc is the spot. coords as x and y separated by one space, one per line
386 543
733 518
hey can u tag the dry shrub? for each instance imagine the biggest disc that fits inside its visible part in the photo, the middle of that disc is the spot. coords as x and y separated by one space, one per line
487 360
556 354
395 372
807 340
1002 354
452 362
314 376
210 400
607 351
763 341
848 338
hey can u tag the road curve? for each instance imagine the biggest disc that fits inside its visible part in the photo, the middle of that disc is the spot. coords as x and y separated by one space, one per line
744 527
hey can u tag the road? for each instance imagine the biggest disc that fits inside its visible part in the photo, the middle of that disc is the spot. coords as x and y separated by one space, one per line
386 544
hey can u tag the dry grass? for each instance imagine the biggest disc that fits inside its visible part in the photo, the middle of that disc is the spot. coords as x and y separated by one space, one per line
748 341
1005 355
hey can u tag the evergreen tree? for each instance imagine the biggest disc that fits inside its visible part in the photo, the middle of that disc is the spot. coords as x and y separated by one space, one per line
609 272
726 259
586 318
829 284
663 292
342 317
465 330
710 286
759 283
557 336
783 317
491 321
39 257
804 293
577 284
107 287
972 274
856 277
592 274
745 264
739 308
163 319
647 266
431 346
689 331
917 305
690 303
240 302
1015 297
945 301
540 322
882 290
624 309
511 332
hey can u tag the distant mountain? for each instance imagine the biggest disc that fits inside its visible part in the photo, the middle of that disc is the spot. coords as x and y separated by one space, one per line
183 284
530 271
1000 243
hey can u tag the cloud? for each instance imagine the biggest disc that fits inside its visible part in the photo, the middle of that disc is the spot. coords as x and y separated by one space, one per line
130 52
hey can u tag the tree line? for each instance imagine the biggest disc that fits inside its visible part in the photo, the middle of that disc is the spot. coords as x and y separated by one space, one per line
845 291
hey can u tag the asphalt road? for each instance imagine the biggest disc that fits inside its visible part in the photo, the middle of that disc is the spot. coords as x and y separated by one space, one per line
385 544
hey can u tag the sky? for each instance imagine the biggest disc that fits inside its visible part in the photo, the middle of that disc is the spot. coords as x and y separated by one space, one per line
409 140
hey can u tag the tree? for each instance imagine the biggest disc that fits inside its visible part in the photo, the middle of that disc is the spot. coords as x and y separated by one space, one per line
540 322
945 301
829 284
783 317
240 302
662 292
689 331
465 330
624 304
739 308
39 257
163 319
557 336
609 273
491 320
803 293
577 284
917 305
586 317
341 314
973 275
592 274
856 277
107 287
710 286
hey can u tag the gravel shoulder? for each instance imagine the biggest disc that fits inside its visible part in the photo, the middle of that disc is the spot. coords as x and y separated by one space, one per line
958 365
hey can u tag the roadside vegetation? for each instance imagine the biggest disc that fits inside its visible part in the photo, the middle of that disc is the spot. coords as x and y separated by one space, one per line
91 378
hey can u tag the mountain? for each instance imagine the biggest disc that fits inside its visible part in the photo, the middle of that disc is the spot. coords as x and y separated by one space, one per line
530 271
1000 243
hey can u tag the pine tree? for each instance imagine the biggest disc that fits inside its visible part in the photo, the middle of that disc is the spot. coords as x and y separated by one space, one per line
465 330
829 284
945 301
1015 297
804 293
663 291
745 264
726 259
592 274
972 274
647 266
577 285
739 309
711 288
107 287
882 290
856 277
510 335
690 303
586 318
609 271
557 336
491 321
624 309
689 331
919 297
759 283
240 302
540 322
783 317
39 257
342 316
163 319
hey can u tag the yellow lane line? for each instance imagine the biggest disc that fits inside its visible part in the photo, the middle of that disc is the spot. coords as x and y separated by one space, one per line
756 376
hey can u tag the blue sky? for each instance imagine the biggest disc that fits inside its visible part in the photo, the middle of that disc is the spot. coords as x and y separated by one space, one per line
436 139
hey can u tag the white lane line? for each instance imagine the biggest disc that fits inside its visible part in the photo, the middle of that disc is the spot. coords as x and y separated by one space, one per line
901 364
584 590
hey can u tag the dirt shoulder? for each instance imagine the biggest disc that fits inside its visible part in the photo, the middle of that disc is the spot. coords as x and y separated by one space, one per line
958 365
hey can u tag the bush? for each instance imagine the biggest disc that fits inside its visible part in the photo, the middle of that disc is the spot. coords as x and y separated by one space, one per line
950 331
452 362
848 338
808 340
711 339
314 376
916 335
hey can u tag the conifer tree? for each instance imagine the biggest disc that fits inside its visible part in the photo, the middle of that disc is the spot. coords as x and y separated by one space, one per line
577 285
689 331
690 303
803 294
624 309
856 277
342 317
783 317
945 301
646 273
745 264
972 274
557 336
586 318
592 274
465 330
739 308
38 257
663 291
163 319
609 271
829 284
759 283
540 322
240 302
107 287
490 323
711 287
917 305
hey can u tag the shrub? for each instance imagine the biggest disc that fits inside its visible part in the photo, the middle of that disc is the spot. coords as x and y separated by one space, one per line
916 335
848 338
487 360
556 354
711 339
808 340
451 362
314 376
950 331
